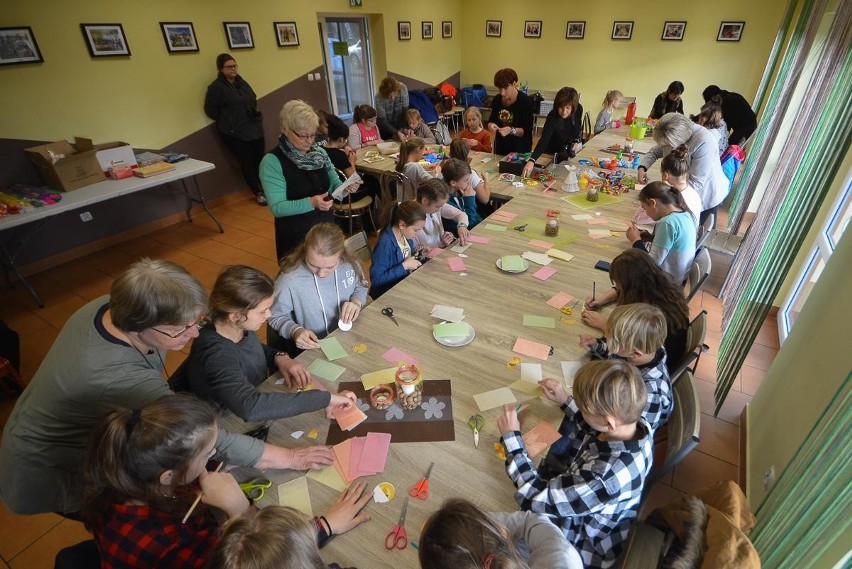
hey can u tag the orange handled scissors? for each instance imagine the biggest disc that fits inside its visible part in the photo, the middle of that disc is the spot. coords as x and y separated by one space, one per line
421 489
396 537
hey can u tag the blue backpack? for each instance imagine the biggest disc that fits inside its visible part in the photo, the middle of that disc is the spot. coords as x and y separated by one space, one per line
418 100
732 159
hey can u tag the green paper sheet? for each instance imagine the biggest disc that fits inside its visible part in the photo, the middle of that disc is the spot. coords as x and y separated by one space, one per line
495 227
450 329
580 200
325 370
538 321
332 349
512 263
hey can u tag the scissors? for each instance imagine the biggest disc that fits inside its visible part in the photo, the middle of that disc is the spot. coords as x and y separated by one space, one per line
389 313
396 537
521 228
421 489
255 489
476 423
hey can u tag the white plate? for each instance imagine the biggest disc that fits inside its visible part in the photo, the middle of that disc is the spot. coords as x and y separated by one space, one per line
500 266
457 341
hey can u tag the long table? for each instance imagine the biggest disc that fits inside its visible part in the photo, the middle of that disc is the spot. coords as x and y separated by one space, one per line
494 303
36 219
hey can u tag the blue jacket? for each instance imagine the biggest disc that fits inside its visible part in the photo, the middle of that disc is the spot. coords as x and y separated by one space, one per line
386 269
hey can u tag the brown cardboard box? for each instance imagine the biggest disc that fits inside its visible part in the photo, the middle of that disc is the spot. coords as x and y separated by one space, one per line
79 166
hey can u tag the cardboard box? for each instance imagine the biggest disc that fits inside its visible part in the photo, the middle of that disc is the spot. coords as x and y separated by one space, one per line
78 166
516 168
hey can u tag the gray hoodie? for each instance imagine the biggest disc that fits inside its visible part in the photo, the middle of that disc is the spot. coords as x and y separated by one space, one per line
303 299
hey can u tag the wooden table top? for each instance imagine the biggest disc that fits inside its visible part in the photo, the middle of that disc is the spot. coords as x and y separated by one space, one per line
494 303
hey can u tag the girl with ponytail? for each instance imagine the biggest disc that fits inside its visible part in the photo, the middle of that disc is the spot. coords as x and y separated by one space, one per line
675 170
672 246
410 153
394 256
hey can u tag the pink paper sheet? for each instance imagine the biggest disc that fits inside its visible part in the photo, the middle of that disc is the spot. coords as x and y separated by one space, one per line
597 221
532 349
395 355
478 239
374 455
503 216
560 299
350 418
456 264
435 251
544 273
342 451
542 244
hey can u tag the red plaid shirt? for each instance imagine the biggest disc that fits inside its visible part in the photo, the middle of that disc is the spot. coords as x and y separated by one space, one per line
138 536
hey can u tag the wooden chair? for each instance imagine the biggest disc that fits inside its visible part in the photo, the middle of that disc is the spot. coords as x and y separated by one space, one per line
358 246
698 272
695 345
349 210
396 187
705 231
683 428
645 547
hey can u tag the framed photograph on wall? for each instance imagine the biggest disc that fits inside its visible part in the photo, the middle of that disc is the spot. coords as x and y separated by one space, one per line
673 31
493 28
179 36
575 30
730 31
286 34
105 40
446 29
426 28
404 30
532 29
18 45
622 30
239 35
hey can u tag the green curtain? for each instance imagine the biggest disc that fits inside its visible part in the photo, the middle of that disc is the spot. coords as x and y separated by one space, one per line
809 507
796 189
774 53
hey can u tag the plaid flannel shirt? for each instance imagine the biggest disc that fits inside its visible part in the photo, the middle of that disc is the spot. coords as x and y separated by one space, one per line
595 497
655 374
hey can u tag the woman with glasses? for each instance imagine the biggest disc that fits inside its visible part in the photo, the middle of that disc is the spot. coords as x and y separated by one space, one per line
110 354
231 102
298 178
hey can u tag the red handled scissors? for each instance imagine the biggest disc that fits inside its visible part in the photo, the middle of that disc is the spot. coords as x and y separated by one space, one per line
396 537
421 489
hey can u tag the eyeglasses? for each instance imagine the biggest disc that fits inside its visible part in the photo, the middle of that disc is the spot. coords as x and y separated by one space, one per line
234 66
197 324
305 137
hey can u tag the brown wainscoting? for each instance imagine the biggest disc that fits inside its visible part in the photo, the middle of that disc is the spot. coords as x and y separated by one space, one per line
743 471
412 83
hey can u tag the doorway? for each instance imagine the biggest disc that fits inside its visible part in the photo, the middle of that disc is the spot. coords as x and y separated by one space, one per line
348 71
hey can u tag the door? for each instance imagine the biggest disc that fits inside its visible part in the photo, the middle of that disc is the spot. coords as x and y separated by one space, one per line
349 77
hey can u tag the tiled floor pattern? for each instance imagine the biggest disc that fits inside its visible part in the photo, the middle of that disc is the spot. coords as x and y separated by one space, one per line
28 542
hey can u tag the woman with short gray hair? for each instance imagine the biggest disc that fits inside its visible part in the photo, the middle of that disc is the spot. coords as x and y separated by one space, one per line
705 168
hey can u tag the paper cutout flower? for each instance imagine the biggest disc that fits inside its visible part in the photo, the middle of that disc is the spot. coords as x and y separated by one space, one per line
500 451
394 412
433 408
363 406
359 348
312 434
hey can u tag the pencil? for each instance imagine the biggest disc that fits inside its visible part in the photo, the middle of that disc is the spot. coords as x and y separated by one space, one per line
593 290
198 499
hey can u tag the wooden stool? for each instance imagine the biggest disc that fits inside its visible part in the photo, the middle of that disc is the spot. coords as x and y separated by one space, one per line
351 209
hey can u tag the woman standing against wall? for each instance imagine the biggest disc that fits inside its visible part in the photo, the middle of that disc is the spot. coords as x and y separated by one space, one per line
511 115
231 102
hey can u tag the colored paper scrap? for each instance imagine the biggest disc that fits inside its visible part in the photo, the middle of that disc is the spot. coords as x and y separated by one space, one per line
329 476
512 364
542 244
559 254
435 251
508 215
512 263
380 377
313 434
532 349
325 370
297 434
394 356
448 313
539 321
493 227
560 299
348 419
597 221
478 239
459 248
295 495
539 438
451 329
359 348
569 370
526 387
332 349
581 217
531 372
456 264
538 258
494 398
544 273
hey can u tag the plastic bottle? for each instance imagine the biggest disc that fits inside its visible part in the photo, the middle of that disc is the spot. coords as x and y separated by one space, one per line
631 113
636 161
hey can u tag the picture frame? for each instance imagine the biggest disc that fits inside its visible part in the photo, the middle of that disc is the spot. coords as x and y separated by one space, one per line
179 36
426 30
730 31
403 30
673 31
286 34
622 29
532 29
105 40
238 35
493 28
446 29
575 30
18 45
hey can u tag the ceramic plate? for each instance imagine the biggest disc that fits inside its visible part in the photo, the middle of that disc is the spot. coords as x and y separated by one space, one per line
457 341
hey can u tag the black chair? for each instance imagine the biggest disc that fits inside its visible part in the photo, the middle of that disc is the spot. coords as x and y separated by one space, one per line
84 555
695 335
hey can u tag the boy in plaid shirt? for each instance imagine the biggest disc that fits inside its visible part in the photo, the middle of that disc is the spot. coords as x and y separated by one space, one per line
593 491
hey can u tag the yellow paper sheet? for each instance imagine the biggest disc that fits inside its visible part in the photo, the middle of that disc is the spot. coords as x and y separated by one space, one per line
295 494
328 476
494 398
559 254
526 387
380 377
